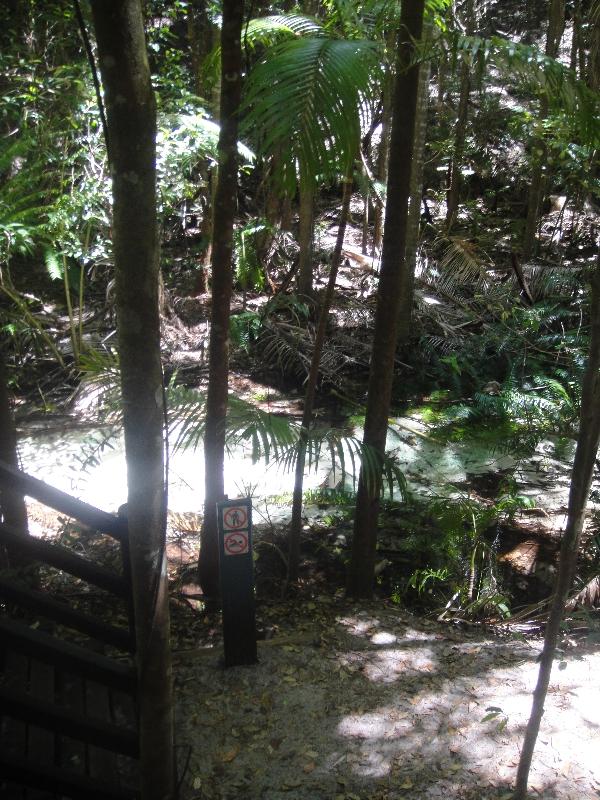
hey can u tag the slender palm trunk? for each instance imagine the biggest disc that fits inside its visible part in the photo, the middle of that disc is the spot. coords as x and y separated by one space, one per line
460 130
311 385
383 155
305 240
393 264
537 185
222 256
131 117
581 479
407 290
200 38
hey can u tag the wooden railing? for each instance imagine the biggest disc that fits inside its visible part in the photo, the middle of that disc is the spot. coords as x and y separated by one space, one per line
68 718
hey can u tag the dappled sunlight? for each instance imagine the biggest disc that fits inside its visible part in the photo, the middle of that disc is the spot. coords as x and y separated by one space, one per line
460 707
60 460
385 706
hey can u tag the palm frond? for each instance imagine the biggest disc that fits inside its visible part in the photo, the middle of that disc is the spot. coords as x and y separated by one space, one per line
304 100
276 439
565 93
270 29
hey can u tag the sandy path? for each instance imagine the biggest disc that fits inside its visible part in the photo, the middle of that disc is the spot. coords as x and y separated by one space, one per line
367 701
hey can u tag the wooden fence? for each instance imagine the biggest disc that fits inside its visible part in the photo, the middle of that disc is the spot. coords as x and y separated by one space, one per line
68 710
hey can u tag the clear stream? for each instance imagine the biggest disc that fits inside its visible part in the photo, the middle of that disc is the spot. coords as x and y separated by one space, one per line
430 468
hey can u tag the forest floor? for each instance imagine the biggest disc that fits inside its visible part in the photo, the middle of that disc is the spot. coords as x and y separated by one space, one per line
368 702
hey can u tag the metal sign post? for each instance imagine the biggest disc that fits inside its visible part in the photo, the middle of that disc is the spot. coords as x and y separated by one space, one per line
237 581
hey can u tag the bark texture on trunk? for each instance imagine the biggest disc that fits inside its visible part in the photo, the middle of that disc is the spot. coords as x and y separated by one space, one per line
393 264
12 504
200 38
222 270
131 116
383 155
311 386
581 479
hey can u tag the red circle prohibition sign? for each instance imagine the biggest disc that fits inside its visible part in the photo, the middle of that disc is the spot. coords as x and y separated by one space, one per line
235 518
235 543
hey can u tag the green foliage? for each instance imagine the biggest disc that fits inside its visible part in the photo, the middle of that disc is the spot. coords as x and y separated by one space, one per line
422 578
303 102
457 571
244 329
22 205
249 272
271 29
274 438
513 418
184 143
545 75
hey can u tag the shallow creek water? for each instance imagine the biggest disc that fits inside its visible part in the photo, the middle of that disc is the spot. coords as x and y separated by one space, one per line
431 468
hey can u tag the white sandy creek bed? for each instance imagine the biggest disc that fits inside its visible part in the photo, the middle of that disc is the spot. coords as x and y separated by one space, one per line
370 703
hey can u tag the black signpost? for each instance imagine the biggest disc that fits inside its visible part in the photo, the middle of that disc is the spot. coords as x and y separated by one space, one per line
237 581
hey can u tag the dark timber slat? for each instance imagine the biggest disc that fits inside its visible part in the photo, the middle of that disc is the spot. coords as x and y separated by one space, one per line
67 713
70 745
40 742
54 609
61 558
12 731
100 762
58 780
66 655
60 501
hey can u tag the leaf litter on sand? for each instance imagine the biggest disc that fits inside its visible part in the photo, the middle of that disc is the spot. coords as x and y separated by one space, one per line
430 712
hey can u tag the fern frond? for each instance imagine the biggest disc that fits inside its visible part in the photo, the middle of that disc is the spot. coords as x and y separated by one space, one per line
276 439
54 267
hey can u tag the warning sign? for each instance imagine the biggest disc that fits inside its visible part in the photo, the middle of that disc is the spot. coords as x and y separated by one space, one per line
235 543
235 518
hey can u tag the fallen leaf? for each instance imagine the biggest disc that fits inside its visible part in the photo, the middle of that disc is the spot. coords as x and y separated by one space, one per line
309 767
229 755
294 784
197 784
407 784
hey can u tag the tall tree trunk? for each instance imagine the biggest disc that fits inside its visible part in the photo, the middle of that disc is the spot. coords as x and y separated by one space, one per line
306 224
222 256
581 479
556 24
12 504
199 33
393 264
383 155
311 385
407 290
574 61
131 116
460 130
592 73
